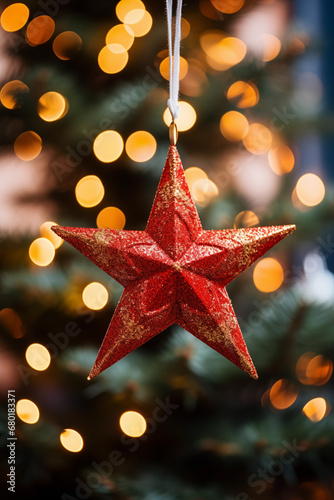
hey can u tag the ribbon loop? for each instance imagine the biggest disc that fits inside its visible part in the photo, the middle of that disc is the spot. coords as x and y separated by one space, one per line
174 56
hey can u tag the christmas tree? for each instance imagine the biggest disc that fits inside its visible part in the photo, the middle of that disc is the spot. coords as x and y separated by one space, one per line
84 134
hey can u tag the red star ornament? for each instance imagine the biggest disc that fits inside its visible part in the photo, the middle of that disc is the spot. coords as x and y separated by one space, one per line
173 272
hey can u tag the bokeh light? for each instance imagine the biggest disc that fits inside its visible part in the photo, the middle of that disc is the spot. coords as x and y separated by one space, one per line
185 28
210 38
194 174
319 370
271 47
310 190
246 218
312 369
120 34
124 7
234 126
108 146
14 17
281 159
12 322
140 22
66 45
134 16
27 411
243 94
111 217
315 409
132 424
164 68
283 394
226 53
89 191
52 106
28 145
203 191
186 118
113 58
41 252
45 230
71 440
258 140
95 296
38 357
10 93
141 146
268 275
228 6
40 30
302 365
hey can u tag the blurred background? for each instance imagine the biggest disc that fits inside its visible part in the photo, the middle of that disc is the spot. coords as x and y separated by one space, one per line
84 138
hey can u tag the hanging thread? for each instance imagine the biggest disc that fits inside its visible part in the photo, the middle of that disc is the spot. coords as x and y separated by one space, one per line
174 56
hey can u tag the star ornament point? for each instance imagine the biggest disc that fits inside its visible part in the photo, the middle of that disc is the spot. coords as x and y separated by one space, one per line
173 272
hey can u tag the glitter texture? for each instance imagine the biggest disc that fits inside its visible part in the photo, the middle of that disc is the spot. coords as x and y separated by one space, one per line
173 272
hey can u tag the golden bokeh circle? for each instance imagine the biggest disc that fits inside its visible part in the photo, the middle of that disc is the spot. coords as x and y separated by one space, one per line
203 191
268 275
111 217
66 45
315 409
312 369
52 106
272 47
140 22
120 34
141 146
124 7
28 145
226 53
246 218
38 357
132 423
89 191
95 296
185 120
310 190
164 68
14 17
108 146
243 94
194 174
283 394
41 252
46 232
27 411
113 58
40 30
10 92
71 440
281 159
234 126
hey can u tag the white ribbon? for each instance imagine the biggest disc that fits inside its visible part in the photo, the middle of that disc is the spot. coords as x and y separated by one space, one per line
174 56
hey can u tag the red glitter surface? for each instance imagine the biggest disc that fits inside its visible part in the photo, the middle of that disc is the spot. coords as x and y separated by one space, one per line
173 272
